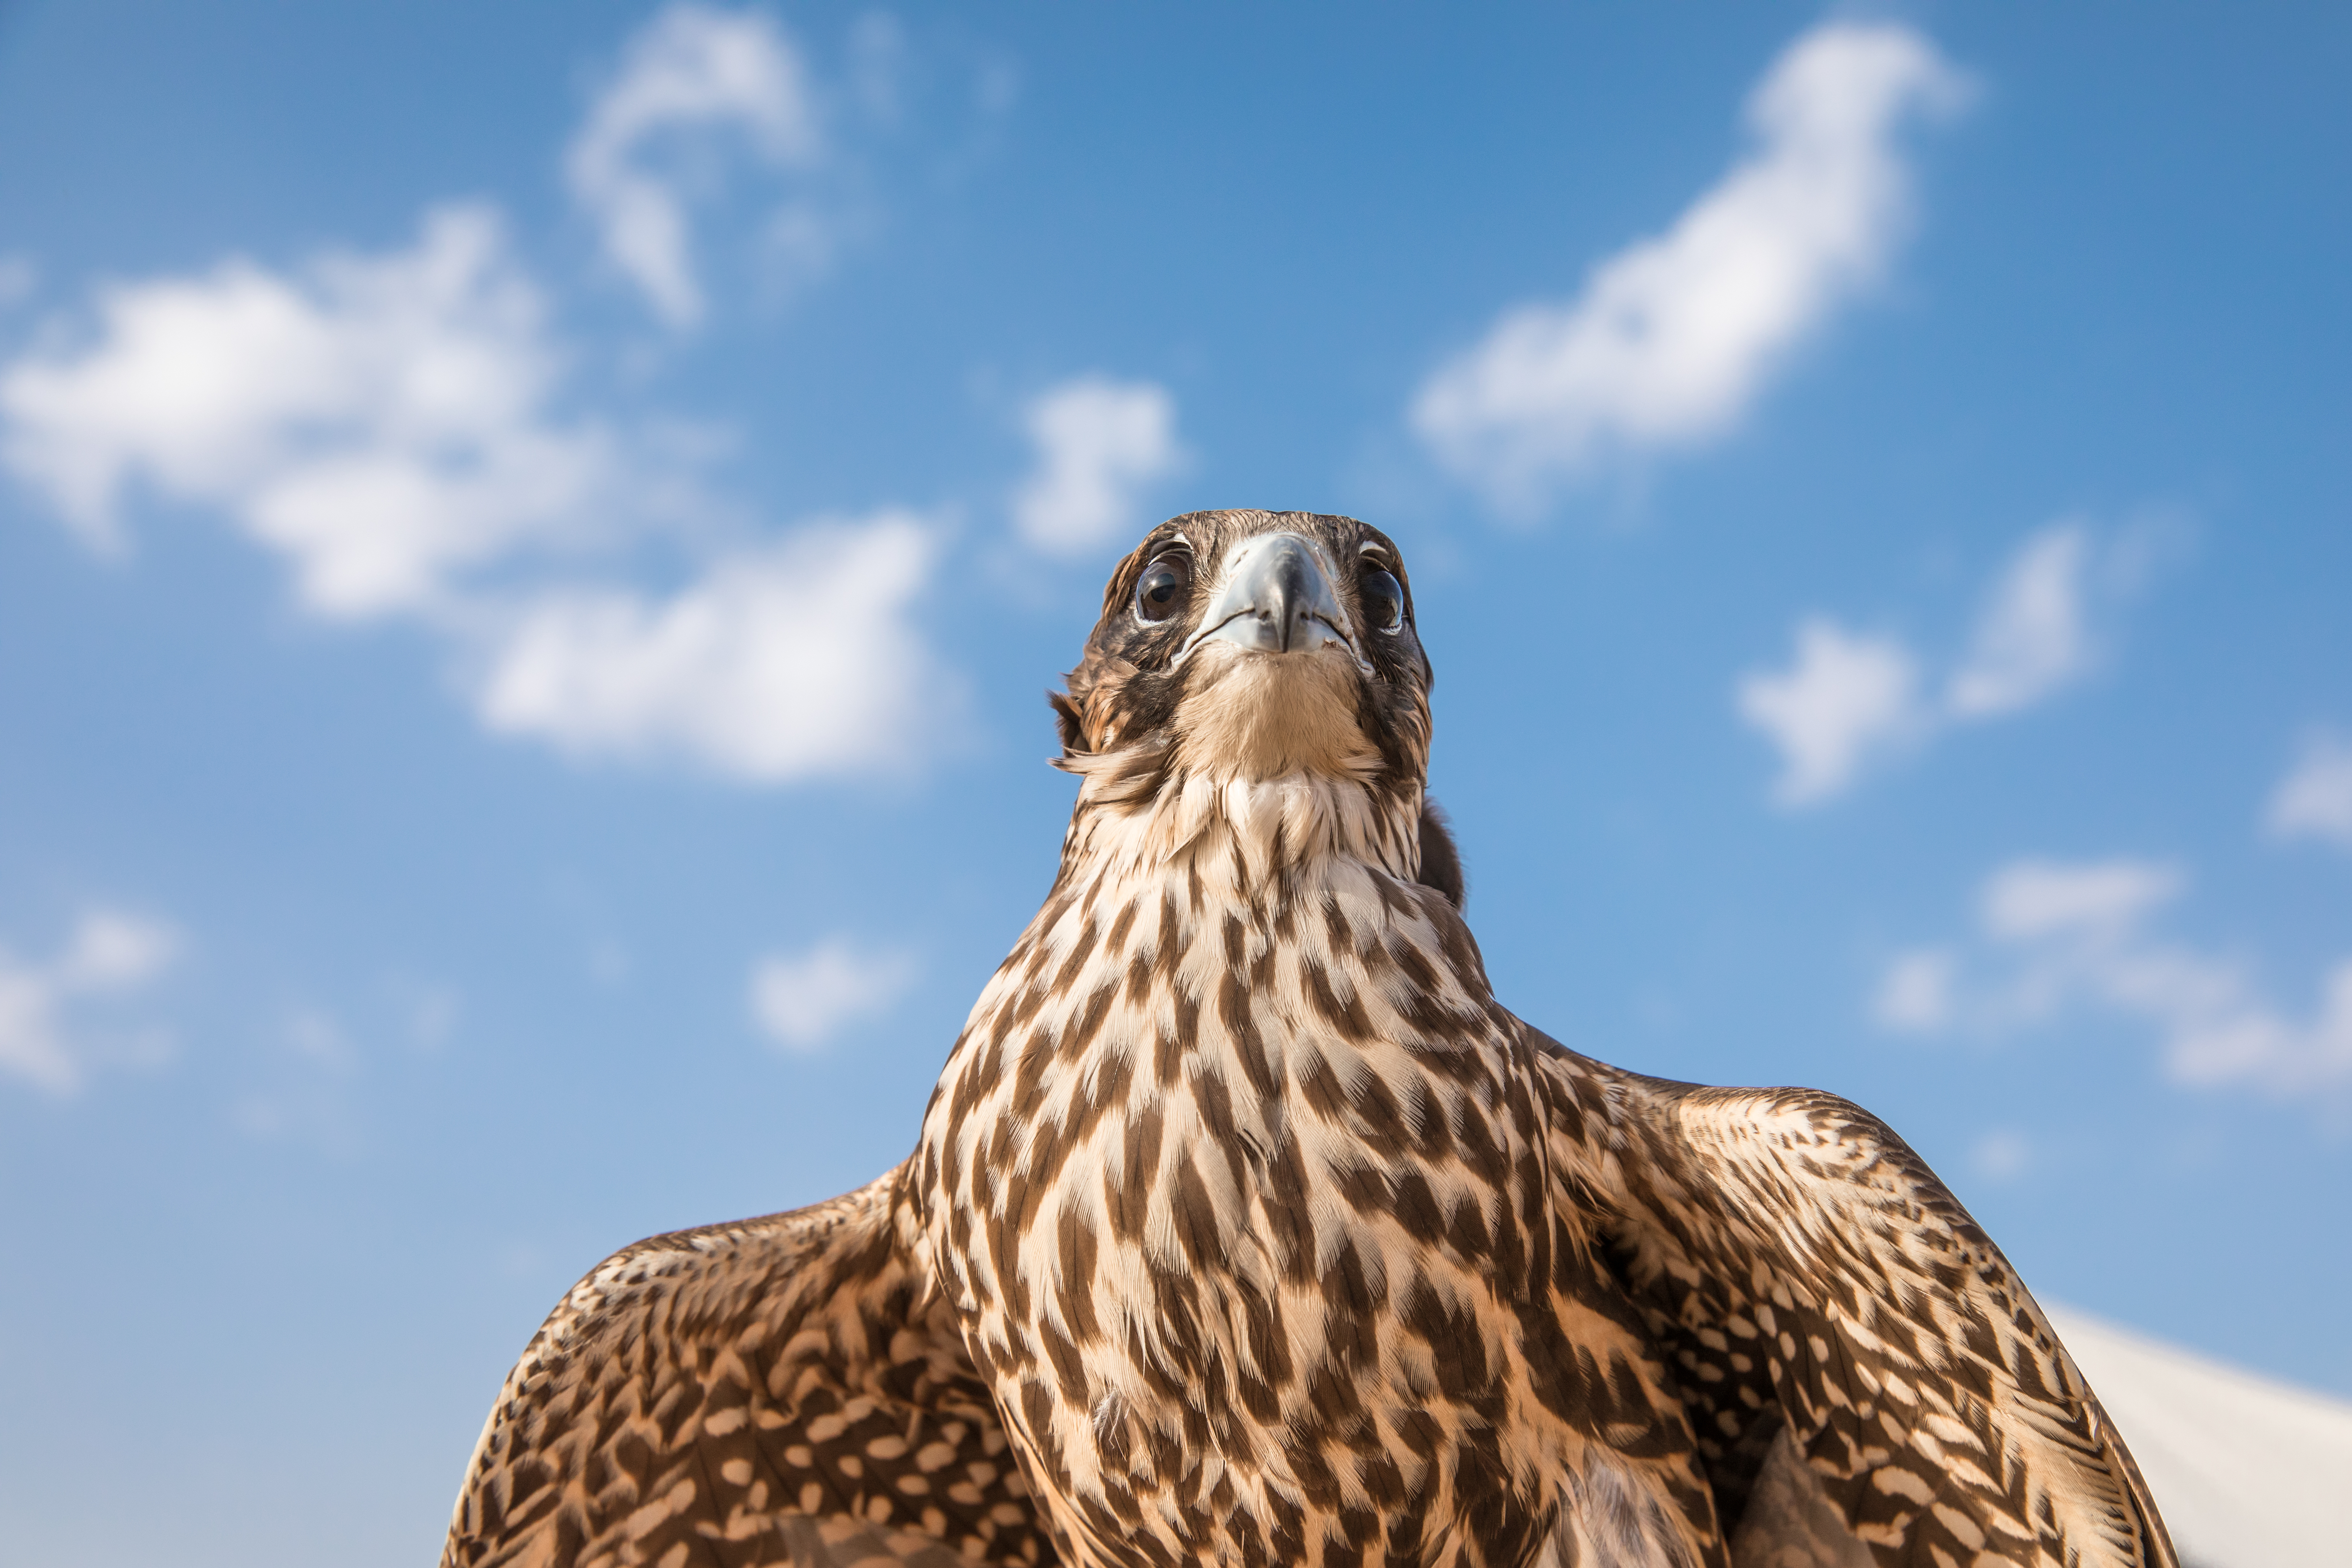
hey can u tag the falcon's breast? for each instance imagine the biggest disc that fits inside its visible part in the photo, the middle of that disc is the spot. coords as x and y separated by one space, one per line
1238 1179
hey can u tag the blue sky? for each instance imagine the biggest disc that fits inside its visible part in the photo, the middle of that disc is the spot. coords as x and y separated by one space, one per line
533 538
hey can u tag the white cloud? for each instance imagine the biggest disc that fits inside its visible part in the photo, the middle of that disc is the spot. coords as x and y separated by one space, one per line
2060 936
693 71
2032 639
1101 444
432 1012
1671 338
2314 801
41 1037
2002 1154
2033 899
384 424
317 1037
1845 698
797 659
1848 699
803 1000
1915 996
381 422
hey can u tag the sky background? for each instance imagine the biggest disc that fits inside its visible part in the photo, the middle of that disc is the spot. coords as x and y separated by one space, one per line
532 539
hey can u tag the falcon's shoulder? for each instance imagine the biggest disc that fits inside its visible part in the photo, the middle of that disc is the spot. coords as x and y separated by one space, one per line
780 1388
1820 1291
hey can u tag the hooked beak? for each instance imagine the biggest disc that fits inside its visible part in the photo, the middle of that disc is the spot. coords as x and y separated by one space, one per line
1276 597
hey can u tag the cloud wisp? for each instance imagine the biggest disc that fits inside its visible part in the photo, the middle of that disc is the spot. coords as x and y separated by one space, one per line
310 1098
2058 937
1671 338
1849 700
2315 799
388 425
2033 638
1845 698
694 74
802 1001
1102 446
2002 1154
19 280
781 662
47 1036
382 422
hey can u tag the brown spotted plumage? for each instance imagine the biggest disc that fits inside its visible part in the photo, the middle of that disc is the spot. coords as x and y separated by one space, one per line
1248 1227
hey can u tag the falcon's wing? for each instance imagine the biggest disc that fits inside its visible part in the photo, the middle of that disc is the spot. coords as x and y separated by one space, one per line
1830 1306
783 1390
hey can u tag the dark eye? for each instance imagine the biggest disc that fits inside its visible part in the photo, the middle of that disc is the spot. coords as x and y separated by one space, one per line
1165 583
1383 598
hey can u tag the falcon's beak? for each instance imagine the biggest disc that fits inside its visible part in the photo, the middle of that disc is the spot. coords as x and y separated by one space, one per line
1276 597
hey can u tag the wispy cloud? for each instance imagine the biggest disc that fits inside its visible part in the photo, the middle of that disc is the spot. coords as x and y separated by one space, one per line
387 424
693 74
2058 936
801 1001
382 422
1915 994
2315 799
430 1011
309 1100
2032 640
2002 1154
1847 699
47 1034
1673 338
2099 902
779 663
1102 444
19 278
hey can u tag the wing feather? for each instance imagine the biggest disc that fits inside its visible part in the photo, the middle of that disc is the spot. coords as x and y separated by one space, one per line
782 1389
1805 1271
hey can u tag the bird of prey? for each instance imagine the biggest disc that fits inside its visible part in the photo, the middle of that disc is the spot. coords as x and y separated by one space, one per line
1248 1227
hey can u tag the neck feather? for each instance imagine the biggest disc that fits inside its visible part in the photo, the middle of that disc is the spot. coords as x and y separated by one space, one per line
1144 809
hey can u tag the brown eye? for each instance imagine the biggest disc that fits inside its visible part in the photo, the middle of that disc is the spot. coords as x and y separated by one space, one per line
1163 588
1383 598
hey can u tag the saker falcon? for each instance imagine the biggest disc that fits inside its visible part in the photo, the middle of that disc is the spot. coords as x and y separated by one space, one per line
1248 1227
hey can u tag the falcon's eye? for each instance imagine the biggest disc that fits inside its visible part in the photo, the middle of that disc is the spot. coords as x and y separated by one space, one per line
1383 598
1162 591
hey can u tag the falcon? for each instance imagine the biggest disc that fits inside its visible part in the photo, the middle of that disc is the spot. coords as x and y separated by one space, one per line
1248 1227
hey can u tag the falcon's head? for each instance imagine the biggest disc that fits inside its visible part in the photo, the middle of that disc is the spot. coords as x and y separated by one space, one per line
1248 647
